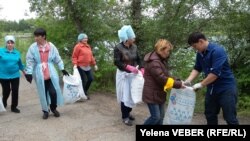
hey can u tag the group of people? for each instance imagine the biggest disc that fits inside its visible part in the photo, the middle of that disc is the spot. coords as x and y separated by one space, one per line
41 57
211 59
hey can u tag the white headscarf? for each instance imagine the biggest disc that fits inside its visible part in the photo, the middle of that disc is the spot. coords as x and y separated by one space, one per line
9 38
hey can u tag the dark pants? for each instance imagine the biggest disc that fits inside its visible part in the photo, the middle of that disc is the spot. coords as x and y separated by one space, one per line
86 75
226 100
7 86
49 88
125 111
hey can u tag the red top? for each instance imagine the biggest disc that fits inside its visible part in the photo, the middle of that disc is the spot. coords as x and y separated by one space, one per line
44 55
82 55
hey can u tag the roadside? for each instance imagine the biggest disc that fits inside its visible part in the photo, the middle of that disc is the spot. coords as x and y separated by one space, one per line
98 119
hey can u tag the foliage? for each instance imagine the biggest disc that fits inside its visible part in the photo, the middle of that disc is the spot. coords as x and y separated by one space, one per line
105 76
10 26
232 19
244 105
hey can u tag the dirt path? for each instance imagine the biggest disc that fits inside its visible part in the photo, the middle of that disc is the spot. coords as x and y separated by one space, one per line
97 119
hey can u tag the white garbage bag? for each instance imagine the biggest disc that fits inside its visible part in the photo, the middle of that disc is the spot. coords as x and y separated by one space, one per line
81 91
72 89
2 109
137 88
180 106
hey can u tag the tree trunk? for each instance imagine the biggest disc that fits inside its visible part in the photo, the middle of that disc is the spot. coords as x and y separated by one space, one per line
74 14
137 23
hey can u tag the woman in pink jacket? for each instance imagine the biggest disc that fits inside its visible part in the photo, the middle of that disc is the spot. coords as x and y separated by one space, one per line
83 59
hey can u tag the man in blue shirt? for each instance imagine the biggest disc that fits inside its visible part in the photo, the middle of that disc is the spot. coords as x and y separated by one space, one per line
212 60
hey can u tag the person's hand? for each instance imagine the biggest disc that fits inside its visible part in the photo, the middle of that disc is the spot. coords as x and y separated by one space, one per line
28 77
65 72
132 69
197 86
24 73
187 83
142 71
183 85
95 67
75 66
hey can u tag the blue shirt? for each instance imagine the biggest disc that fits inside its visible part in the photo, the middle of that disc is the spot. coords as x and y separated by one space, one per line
214 60
10 63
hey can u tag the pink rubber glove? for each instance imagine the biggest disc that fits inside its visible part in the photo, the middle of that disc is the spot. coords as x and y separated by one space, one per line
142 71
132 69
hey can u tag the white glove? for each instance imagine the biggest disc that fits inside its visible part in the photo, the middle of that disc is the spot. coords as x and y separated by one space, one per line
96 67
197 86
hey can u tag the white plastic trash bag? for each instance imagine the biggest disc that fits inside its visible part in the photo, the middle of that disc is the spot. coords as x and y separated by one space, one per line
180 106
137 88
81 91
2 109
72 89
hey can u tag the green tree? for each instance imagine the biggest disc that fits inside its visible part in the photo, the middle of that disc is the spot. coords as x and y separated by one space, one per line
224 21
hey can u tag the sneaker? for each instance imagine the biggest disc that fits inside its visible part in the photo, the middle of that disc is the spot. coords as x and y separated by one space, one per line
131 117
15 110
56 113
127 122
45 115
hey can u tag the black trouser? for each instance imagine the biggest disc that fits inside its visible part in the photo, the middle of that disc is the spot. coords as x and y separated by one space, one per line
49 88
86 75
7 86
125 111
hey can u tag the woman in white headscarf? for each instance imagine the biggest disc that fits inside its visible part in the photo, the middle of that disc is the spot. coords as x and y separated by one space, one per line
126 59
11 64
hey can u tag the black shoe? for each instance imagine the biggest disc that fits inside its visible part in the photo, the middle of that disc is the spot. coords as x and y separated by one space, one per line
131 117
45 115
15 110
56 113
127 122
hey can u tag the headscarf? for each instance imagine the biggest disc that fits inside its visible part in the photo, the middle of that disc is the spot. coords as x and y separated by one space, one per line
125 33
9 38
81 36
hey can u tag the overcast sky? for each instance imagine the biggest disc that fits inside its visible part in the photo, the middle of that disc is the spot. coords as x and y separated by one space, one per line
14 10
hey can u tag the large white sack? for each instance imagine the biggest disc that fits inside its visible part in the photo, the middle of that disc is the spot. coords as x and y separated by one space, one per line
137 88
180 106
72 89
81 91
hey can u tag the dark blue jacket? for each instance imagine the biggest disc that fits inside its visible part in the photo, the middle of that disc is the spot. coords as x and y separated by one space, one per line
214 60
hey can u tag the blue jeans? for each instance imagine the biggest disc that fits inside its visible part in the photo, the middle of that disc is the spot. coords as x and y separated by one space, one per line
86 75
157 112
226 100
